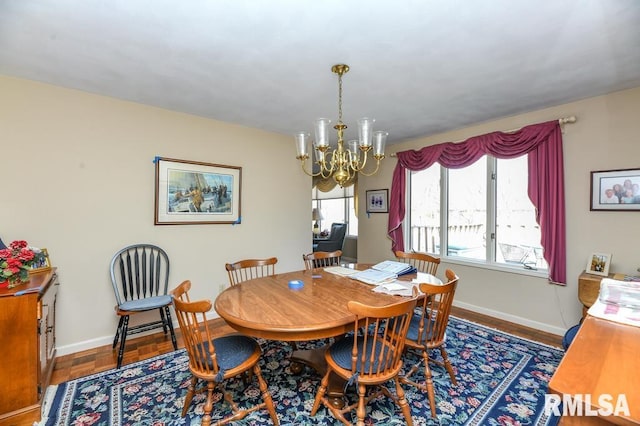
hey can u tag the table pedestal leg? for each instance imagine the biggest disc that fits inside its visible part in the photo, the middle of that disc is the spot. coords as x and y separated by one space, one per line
314 358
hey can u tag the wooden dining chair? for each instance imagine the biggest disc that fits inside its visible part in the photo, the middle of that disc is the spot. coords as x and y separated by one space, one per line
140 280
421 261
427 331
369 359
249 269
321 259
214 360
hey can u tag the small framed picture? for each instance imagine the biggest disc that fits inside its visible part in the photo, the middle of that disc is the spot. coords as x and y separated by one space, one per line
378 201
615 190
598 264
42 262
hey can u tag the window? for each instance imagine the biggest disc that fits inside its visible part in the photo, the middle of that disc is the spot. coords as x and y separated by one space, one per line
336 205
480 213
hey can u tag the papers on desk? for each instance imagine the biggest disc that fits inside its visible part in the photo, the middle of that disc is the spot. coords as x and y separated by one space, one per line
383 272
618 301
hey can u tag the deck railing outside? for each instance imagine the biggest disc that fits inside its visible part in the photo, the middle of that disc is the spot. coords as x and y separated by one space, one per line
468 240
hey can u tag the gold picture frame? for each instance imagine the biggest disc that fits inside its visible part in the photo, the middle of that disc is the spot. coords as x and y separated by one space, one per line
43 264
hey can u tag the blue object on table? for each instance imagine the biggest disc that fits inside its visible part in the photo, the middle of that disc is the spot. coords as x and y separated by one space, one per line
296 284
2 246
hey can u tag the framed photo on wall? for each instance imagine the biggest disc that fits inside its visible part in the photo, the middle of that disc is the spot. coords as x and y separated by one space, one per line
378 201
615 190
598 264
192 192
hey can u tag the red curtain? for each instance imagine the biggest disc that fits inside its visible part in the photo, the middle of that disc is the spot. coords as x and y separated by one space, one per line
543 145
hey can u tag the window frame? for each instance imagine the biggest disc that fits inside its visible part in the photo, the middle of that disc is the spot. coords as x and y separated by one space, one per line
489 262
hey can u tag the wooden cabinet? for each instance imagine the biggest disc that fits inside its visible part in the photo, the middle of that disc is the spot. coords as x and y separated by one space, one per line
27 347
589 288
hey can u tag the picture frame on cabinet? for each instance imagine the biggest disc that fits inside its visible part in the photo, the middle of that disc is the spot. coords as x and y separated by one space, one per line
42 263
598 264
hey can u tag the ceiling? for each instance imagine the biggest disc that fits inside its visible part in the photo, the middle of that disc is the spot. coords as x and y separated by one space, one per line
420 67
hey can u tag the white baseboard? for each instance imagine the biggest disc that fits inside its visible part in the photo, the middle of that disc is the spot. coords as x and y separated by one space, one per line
101 341
84 345
108 340
512 318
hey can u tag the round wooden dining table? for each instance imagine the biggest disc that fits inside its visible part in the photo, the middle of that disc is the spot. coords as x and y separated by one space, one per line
268 308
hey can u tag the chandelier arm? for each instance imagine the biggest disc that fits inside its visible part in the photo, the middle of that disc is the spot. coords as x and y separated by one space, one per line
332 162
302 161
373 172
357 167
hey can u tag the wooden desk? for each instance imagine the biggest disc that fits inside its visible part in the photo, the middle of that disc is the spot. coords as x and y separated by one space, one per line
266 307
602 359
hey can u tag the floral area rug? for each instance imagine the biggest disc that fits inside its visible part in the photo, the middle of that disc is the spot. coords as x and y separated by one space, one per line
502 380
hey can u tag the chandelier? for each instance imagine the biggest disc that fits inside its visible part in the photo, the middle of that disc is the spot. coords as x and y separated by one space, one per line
341 163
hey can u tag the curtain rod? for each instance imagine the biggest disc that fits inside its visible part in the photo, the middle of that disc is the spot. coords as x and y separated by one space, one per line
561 121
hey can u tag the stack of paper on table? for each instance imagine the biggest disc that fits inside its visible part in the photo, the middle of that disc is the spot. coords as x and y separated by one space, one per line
385 271
618 301
398 288
394 267
373 276
341 270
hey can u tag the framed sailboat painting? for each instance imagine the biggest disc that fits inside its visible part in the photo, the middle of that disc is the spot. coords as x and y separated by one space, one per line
193 192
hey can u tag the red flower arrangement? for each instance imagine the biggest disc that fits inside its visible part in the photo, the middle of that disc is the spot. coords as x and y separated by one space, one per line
15 262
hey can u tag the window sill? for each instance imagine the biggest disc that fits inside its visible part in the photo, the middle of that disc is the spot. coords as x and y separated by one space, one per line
539 273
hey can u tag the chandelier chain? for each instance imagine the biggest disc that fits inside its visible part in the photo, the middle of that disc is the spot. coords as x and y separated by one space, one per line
339 98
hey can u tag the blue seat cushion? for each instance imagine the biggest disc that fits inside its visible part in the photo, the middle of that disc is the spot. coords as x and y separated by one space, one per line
569 336
231 351
146 304
414 327
340 352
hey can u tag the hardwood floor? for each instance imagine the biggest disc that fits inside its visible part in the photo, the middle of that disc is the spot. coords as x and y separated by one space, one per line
95 360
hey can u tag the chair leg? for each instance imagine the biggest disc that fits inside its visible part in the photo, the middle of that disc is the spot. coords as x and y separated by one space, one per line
361 410
171 331
447 365
208 405
429 384
321 391
266 395
190 392
402 402
123 338
163 318
117 337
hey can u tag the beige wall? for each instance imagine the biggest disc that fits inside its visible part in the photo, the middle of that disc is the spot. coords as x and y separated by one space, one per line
604 138
78 179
